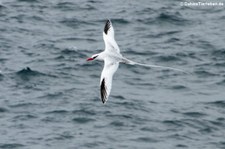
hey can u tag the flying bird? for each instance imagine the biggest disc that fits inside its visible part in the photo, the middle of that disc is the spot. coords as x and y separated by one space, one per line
112 57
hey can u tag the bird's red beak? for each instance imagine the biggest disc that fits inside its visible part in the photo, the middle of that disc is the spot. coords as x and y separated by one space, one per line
90 59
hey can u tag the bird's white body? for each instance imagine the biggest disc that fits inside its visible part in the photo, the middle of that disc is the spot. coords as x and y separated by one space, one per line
112 57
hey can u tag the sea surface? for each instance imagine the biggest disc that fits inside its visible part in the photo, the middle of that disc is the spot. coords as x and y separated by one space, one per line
49 93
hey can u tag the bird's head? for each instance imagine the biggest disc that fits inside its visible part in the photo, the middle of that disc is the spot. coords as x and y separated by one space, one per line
93 57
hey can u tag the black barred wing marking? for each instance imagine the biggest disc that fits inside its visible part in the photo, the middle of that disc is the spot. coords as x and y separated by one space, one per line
103 91
107 26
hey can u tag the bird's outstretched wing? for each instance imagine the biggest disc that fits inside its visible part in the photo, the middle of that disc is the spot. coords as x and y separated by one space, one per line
106 79
108 36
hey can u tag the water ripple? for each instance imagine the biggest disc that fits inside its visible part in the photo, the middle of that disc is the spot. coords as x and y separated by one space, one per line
82 120
11 145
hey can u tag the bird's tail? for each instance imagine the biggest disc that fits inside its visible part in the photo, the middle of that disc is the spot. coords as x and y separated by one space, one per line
127 61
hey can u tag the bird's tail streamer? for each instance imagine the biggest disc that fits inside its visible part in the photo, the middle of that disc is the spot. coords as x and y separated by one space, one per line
127 61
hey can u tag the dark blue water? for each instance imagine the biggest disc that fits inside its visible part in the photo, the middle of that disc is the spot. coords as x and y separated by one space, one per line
49 94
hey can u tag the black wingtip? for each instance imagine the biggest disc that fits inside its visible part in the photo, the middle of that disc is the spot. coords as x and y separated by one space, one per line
107 26
103 91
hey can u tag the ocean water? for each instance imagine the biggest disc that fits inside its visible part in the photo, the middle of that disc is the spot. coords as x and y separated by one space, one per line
49 94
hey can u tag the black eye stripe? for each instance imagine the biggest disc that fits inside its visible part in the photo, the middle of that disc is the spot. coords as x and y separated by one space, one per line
95 57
